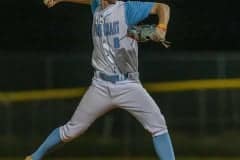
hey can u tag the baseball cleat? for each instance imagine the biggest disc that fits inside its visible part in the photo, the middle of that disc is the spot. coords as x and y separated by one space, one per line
28 158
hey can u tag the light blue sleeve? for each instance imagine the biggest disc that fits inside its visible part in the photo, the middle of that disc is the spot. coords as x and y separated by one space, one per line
94 5
137 11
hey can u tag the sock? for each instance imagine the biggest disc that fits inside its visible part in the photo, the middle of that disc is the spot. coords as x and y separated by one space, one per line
163 147
52 140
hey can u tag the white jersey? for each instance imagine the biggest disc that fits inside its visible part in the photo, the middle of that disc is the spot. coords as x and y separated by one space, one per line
113 52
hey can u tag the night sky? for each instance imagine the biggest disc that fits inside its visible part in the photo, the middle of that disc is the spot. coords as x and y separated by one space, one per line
28 26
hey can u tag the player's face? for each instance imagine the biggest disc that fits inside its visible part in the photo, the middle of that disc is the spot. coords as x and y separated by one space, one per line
111 1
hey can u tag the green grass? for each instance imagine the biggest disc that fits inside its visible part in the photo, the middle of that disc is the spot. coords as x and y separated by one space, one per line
181 158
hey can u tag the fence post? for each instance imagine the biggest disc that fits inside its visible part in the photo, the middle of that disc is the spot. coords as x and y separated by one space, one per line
221 66
49 72
202 111
8 120
235 111
127 135
107 127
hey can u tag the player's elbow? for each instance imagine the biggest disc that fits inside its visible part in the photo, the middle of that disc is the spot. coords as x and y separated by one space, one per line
159 8
164 7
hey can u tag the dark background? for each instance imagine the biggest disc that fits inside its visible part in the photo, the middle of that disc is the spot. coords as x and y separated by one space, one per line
44 48
195 25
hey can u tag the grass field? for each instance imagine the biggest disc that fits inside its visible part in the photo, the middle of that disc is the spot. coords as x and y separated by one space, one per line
180 158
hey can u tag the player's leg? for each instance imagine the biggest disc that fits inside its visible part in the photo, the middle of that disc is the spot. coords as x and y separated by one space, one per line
139 103
95 102
52 140
163 147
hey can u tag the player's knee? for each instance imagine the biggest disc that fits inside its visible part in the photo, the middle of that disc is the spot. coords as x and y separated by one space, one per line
159 131
157 127
70 131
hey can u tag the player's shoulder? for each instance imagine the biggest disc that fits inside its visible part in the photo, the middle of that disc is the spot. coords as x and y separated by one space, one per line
120 3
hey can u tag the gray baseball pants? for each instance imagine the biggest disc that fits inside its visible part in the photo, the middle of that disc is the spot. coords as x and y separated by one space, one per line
103 96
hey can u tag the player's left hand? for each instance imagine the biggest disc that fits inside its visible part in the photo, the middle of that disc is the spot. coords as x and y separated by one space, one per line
145 33
159 35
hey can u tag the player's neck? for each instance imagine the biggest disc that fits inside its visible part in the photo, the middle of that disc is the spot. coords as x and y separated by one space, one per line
105 4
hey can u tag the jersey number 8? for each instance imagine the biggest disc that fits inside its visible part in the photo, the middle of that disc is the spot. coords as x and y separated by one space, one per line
116 42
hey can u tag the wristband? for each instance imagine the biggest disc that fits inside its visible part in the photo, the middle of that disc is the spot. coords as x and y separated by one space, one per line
162 26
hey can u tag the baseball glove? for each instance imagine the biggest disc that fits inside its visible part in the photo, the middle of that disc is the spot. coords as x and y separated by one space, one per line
145 33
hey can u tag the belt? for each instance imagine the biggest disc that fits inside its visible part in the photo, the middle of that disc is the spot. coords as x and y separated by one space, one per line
117 77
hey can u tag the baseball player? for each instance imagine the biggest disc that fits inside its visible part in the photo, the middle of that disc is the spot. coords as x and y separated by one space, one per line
115 81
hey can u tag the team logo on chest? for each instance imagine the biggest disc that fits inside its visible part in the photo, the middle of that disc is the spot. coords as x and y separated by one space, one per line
107 29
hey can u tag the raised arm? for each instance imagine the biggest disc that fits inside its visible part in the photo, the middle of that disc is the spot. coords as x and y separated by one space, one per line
163 13
51 3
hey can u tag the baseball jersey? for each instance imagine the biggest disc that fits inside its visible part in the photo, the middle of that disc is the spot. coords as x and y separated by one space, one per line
114 52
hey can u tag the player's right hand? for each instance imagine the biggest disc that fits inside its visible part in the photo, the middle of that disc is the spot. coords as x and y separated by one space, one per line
159 35
50 3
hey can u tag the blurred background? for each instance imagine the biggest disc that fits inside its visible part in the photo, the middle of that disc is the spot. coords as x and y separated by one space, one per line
42 49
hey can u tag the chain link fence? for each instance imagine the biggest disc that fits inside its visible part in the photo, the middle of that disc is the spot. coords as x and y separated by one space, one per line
200 121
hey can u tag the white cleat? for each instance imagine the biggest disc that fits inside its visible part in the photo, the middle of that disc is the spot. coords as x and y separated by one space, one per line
28 158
